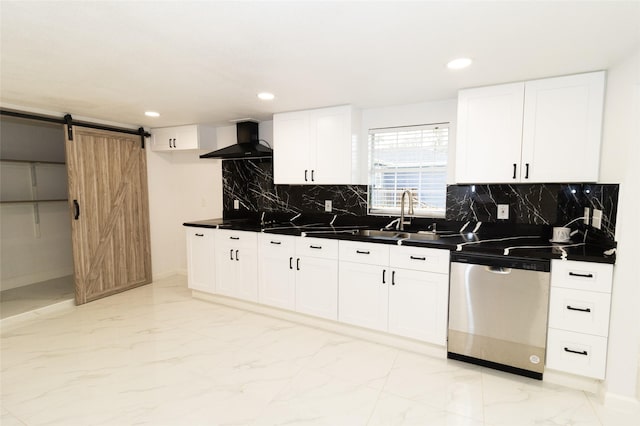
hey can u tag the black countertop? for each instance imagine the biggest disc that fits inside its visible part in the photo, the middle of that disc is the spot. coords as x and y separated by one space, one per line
527 246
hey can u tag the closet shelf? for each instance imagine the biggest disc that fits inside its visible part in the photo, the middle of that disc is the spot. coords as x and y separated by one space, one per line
8 160
31 201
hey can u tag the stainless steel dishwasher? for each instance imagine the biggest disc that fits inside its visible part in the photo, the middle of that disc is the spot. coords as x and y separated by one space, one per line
498 309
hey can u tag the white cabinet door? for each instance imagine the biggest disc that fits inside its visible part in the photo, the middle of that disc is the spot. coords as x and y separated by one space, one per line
200 259
363 295
276 275
292 148
195 136
562 128
418 304
317 287
331 134
237 264
489 134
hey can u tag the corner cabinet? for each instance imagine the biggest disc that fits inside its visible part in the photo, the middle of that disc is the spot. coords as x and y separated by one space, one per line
546 130
318 147
182 138
200 259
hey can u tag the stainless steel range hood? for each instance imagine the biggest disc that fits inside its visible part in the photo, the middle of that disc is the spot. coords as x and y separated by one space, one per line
248 145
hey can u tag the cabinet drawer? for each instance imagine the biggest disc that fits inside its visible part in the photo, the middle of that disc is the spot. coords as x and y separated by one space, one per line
579 311
577 353
581 275
317 247
419 259
276 242
359 252
239 238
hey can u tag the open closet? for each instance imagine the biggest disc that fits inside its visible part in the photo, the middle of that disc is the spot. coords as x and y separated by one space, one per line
36 261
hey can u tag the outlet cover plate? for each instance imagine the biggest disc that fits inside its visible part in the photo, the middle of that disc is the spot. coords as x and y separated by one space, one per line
503 211
596 220
328 206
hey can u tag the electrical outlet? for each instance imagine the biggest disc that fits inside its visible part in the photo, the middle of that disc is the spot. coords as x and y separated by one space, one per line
236 204
586 215
328 206
596 220
503 211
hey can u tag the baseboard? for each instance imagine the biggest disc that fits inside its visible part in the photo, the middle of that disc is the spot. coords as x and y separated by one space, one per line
17 320
572 381
24 280
328 325
620 402
168 274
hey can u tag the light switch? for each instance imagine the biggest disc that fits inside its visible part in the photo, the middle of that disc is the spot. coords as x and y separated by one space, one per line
236 204
596 220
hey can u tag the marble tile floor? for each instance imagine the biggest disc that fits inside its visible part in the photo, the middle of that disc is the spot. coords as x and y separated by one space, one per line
24 299
156 356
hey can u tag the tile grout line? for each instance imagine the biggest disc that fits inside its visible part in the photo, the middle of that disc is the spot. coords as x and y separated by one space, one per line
386 379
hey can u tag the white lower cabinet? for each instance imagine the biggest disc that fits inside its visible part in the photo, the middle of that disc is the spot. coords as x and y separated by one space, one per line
276 273
236 260
201 273
402 290
316 267
579 307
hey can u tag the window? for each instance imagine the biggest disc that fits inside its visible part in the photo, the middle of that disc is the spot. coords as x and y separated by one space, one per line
414 158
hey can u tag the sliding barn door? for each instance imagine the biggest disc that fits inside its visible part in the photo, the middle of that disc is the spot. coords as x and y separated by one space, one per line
110 212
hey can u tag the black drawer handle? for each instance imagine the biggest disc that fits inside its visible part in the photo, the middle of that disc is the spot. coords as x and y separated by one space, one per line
576 352
393 277
363 252
573 274
297 264
199 235
515 166
305 176
234 238
231 254
417 258
571 308
237 257
291 263
276 242
384 275
316 247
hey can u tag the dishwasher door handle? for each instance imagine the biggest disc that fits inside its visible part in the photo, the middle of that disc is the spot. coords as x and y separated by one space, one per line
498 270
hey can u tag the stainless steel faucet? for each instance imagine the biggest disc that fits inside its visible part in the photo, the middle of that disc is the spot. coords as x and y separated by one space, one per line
402 222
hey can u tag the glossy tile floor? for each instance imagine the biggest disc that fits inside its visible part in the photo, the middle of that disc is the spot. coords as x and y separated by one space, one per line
19 300
154 355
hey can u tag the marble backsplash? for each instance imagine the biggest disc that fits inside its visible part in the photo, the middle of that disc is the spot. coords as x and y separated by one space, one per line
251 183
535 204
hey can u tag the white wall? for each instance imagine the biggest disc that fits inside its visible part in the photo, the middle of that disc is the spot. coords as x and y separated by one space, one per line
620 164
414 114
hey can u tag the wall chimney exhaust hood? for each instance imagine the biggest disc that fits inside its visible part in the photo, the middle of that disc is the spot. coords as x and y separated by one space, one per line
248 145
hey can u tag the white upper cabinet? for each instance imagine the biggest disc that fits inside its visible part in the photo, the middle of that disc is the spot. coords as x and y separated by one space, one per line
195 136
545 130
318 147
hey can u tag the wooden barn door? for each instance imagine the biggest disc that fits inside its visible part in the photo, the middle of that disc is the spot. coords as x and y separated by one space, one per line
109 212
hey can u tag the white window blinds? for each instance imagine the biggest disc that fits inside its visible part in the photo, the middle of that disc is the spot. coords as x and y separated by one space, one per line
414 158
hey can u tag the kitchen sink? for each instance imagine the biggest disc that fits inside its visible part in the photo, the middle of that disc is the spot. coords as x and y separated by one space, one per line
398 235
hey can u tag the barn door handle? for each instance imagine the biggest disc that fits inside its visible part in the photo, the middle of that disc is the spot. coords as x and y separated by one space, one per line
76 210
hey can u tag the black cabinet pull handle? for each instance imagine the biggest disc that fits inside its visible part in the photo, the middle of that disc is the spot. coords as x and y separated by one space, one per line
515 166
305 175
526 170
316 247
573 274
199 235
417 258
571 308
393 277
276 242
76 210
231 254
234 238
237 257
291 263
576 352
384 273
312 178
297 264
363 252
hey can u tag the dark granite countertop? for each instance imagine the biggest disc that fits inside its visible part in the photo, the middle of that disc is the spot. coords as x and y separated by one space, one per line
528 246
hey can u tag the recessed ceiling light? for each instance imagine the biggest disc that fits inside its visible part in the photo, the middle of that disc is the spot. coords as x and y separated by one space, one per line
266 96
152 114
459 63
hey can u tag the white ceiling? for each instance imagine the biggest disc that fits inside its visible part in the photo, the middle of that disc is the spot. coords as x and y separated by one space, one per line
204 62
